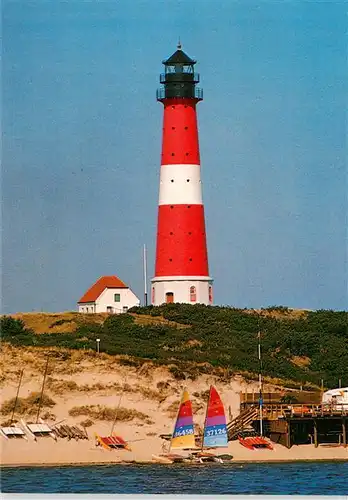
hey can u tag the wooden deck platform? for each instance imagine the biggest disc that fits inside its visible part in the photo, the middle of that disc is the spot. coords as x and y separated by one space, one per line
297 423
304 424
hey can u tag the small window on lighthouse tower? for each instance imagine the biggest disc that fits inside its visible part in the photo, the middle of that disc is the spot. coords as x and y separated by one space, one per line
210 294
193 294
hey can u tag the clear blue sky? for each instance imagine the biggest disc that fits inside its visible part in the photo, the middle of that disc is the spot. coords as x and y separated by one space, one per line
82 139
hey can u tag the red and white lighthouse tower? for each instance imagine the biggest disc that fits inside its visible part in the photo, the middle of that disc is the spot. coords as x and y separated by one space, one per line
181 268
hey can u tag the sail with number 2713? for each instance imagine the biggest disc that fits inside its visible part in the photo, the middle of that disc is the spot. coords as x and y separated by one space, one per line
215 430
183 435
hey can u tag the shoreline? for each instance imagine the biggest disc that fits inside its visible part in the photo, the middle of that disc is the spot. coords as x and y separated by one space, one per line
149 462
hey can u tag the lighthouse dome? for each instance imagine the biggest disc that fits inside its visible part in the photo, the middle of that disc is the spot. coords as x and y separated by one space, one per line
179 57
179 78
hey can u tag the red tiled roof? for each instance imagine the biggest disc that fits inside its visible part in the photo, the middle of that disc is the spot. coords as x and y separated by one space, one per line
99 286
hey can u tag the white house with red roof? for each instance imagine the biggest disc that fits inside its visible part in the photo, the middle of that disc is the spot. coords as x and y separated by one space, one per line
108 294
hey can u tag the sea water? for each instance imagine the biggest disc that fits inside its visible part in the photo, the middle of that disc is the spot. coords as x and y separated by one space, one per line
301 478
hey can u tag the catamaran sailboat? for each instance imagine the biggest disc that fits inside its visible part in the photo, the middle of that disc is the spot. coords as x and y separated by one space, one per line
38 429
183 437
13 431
215 430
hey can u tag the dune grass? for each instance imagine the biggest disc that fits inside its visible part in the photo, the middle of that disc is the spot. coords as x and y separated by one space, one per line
101 412
62 386
26 406
86 423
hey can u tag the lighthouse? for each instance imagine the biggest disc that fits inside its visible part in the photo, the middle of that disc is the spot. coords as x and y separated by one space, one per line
181 266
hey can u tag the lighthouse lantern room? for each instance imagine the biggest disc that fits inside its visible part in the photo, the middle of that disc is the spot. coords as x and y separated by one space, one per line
181 267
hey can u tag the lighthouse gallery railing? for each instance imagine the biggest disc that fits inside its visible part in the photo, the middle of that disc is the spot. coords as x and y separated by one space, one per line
161 93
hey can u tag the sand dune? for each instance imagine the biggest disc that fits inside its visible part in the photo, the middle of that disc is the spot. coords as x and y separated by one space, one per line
89 380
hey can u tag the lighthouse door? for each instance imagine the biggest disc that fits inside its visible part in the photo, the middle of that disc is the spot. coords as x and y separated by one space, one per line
169 297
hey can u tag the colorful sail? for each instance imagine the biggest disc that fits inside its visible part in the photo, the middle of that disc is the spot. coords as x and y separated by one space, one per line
183 435
215 430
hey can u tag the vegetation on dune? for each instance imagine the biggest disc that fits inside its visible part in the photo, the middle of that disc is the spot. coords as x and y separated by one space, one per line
26 406
100 412
172 409
42 322
48 415
61 386
87 423
303 348
204 395
197 406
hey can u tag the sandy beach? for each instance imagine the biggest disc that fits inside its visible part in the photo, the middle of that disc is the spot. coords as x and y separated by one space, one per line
47 452
89 381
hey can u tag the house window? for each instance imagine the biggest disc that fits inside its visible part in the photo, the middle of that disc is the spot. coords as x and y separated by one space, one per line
125 309
193 294
117 297
210 294
109 309
153 295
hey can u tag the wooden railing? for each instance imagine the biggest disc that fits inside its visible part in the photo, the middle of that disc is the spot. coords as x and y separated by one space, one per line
300 397
276 411
244 419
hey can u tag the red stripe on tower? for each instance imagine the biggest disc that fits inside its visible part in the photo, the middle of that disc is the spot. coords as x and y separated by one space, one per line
181 268
180 132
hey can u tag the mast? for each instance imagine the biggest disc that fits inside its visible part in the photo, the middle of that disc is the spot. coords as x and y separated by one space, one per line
116 412
15 403
42 389
260 377
176 419
145 276
205 418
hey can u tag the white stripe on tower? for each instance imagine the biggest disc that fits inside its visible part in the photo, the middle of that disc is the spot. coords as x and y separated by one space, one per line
180 184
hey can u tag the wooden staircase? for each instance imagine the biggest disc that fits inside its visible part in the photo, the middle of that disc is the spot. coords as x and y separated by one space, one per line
242 422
